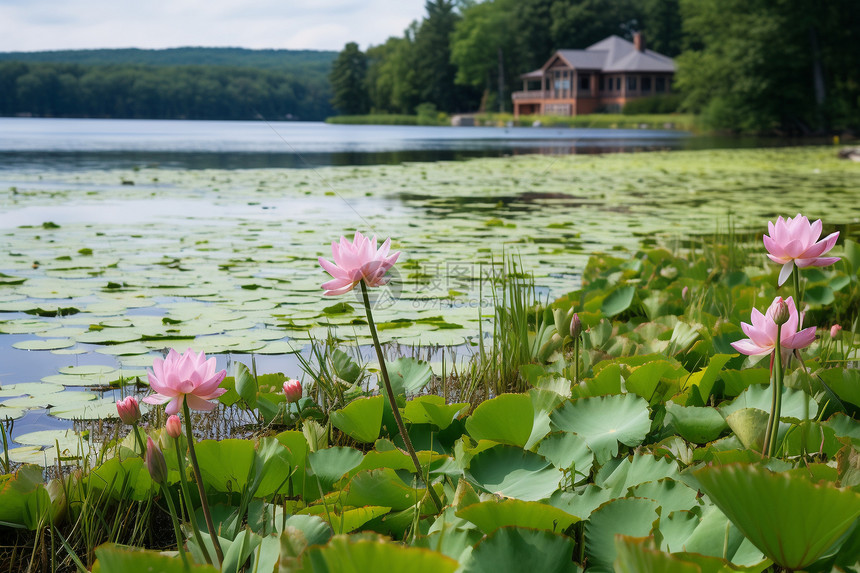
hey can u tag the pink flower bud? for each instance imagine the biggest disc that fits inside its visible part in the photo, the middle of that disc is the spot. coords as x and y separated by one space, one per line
173 427
293 390
685 293
780 313
155 462
835 332
128 410
575 326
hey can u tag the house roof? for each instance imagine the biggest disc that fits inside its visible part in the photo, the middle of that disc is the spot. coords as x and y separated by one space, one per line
612 54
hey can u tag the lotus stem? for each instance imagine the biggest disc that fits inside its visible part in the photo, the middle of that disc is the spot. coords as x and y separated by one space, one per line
576 360
189 508
204 503
776 404
139 439
180 543
391 399
797 292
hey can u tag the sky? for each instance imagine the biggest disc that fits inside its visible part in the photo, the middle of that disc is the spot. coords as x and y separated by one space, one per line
34 25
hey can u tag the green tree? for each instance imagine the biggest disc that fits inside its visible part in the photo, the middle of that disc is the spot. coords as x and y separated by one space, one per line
348 81
763 65
392 76
435 72
484 49
661 25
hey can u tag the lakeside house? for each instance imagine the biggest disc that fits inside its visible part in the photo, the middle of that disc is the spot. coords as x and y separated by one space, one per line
602 77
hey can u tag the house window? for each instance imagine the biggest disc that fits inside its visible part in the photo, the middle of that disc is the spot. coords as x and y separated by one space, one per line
631 83
585 82
602 84
646 85
618 84
660 85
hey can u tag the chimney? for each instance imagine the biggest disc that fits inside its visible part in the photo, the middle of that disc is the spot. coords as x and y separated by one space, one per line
639 41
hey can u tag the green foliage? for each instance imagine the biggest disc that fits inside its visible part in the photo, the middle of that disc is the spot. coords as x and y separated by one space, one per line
170 92
348 76
659 104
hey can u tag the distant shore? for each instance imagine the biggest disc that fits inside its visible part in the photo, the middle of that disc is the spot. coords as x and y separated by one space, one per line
681 122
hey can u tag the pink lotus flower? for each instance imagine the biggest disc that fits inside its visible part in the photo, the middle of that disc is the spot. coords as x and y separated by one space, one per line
293 390
128 410
173 426
356 261
835 331
189 377
795 242
762 331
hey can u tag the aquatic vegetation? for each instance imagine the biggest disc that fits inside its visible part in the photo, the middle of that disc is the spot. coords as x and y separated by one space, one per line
613 426
641 452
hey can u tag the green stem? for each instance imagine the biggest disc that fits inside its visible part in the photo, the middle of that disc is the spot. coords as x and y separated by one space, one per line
576 358
797 294
391 399
189 508
139 439
204 503
180 543
776 404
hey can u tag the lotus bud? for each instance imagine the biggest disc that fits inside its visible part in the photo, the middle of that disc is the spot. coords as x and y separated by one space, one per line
155 462
780 313
128 410
835 332
173 427
293 390
575 326
685 293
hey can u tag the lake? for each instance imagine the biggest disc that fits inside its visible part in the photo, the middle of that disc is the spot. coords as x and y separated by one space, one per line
119 239
60 144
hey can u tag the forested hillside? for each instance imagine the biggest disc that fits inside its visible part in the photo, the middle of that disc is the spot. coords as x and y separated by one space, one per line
180 83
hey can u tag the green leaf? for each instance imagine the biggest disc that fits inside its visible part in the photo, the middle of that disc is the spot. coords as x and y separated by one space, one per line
513 472
636 555
627 516
408 376
750 426
567 451
510 549
792 520
699 425
431 409
618 301
507 418
604 421
115 559
361 419
246 384
331 464
492 514
360 554
225 464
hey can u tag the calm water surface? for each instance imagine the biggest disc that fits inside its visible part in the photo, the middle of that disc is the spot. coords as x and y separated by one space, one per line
34 144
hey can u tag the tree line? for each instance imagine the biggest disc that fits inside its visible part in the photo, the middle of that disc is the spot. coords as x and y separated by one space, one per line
744 65
160 92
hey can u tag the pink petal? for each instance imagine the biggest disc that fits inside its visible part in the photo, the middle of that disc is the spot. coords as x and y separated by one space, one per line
331 268
175 405
819 262
801 339
157 399
774 248
195 403
749 348
785 272
758 337
210 385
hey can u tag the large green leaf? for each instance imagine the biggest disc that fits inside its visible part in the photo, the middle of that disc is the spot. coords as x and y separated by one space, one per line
604 421
567 451
225 464
431 409
513 472
408 376
618 301
361 419
331 464
699 425
792 520
511 550
627 516
361 554
115 559
507 419
493 514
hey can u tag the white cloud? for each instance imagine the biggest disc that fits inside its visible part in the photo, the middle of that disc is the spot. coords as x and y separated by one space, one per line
30 25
